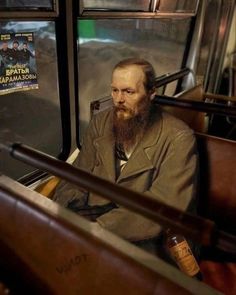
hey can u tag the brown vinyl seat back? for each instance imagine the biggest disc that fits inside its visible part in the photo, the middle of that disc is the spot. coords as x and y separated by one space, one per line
53 251
217 201
195 119
217 195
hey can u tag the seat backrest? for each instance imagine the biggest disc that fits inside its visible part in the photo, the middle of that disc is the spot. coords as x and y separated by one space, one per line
195 119
217 195
62 253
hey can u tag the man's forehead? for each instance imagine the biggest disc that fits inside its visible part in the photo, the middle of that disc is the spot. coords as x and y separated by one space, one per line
132 73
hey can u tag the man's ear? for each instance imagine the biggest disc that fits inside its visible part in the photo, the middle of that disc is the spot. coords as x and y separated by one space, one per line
153 94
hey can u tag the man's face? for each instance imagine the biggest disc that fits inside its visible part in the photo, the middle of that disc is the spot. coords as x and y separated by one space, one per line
4 46
128 91
15 45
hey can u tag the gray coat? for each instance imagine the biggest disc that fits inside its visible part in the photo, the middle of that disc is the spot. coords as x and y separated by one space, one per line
162 166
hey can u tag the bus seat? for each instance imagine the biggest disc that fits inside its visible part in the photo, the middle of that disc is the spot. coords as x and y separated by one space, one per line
48 187
195 119
220 276
46 249
217 201
228 124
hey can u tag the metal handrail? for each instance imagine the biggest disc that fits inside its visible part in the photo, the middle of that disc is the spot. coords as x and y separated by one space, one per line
165 79
213 96
103 14
194 227
200 106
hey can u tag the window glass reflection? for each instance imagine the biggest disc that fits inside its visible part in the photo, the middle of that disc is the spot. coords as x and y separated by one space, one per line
26 4
33 116
178 5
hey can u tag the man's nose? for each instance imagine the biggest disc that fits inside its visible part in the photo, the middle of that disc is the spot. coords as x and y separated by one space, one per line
120 97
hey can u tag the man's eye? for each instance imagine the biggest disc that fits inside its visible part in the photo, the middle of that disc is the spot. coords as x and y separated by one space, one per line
129 91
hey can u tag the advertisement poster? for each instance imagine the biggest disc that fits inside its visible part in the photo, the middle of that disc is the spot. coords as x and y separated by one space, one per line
17 62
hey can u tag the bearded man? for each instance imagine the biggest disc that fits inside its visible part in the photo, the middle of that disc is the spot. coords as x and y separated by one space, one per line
136 145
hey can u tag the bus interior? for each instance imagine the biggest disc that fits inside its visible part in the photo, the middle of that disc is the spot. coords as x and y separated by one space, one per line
74 45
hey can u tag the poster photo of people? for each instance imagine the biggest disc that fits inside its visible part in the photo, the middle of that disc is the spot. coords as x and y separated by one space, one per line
17 62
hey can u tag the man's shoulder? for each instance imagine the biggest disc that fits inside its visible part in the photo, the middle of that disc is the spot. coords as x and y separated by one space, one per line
175 130
173 123
102 121
103 116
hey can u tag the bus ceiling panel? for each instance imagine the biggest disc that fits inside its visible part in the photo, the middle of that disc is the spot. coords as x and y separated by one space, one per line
125 8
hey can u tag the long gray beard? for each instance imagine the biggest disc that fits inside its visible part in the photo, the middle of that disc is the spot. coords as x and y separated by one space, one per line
128 132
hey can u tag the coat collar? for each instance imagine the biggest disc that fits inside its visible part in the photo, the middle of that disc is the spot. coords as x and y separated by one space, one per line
140 160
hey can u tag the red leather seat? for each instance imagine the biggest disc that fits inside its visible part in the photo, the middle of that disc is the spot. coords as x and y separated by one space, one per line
217 201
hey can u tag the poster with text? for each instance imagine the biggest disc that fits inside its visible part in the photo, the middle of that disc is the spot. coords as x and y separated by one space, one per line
17 62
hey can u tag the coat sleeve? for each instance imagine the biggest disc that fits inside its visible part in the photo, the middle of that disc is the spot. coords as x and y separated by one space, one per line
173 184
67 194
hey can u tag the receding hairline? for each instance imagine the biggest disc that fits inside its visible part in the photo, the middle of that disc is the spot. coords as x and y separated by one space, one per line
128 67
147 69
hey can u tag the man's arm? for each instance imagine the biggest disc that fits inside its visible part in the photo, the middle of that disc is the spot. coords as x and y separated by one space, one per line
68 194
174 184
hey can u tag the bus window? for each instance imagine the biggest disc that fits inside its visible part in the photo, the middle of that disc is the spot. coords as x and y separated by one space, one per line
104 42
33 116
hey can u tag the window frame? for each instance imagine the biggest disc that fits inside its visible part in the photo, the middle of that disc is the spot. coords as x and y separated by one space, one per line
64 33
30 13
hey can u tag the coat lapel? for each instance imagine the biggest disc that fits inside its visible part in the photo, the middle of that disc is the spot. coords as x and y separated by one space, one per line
137 163
105 150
